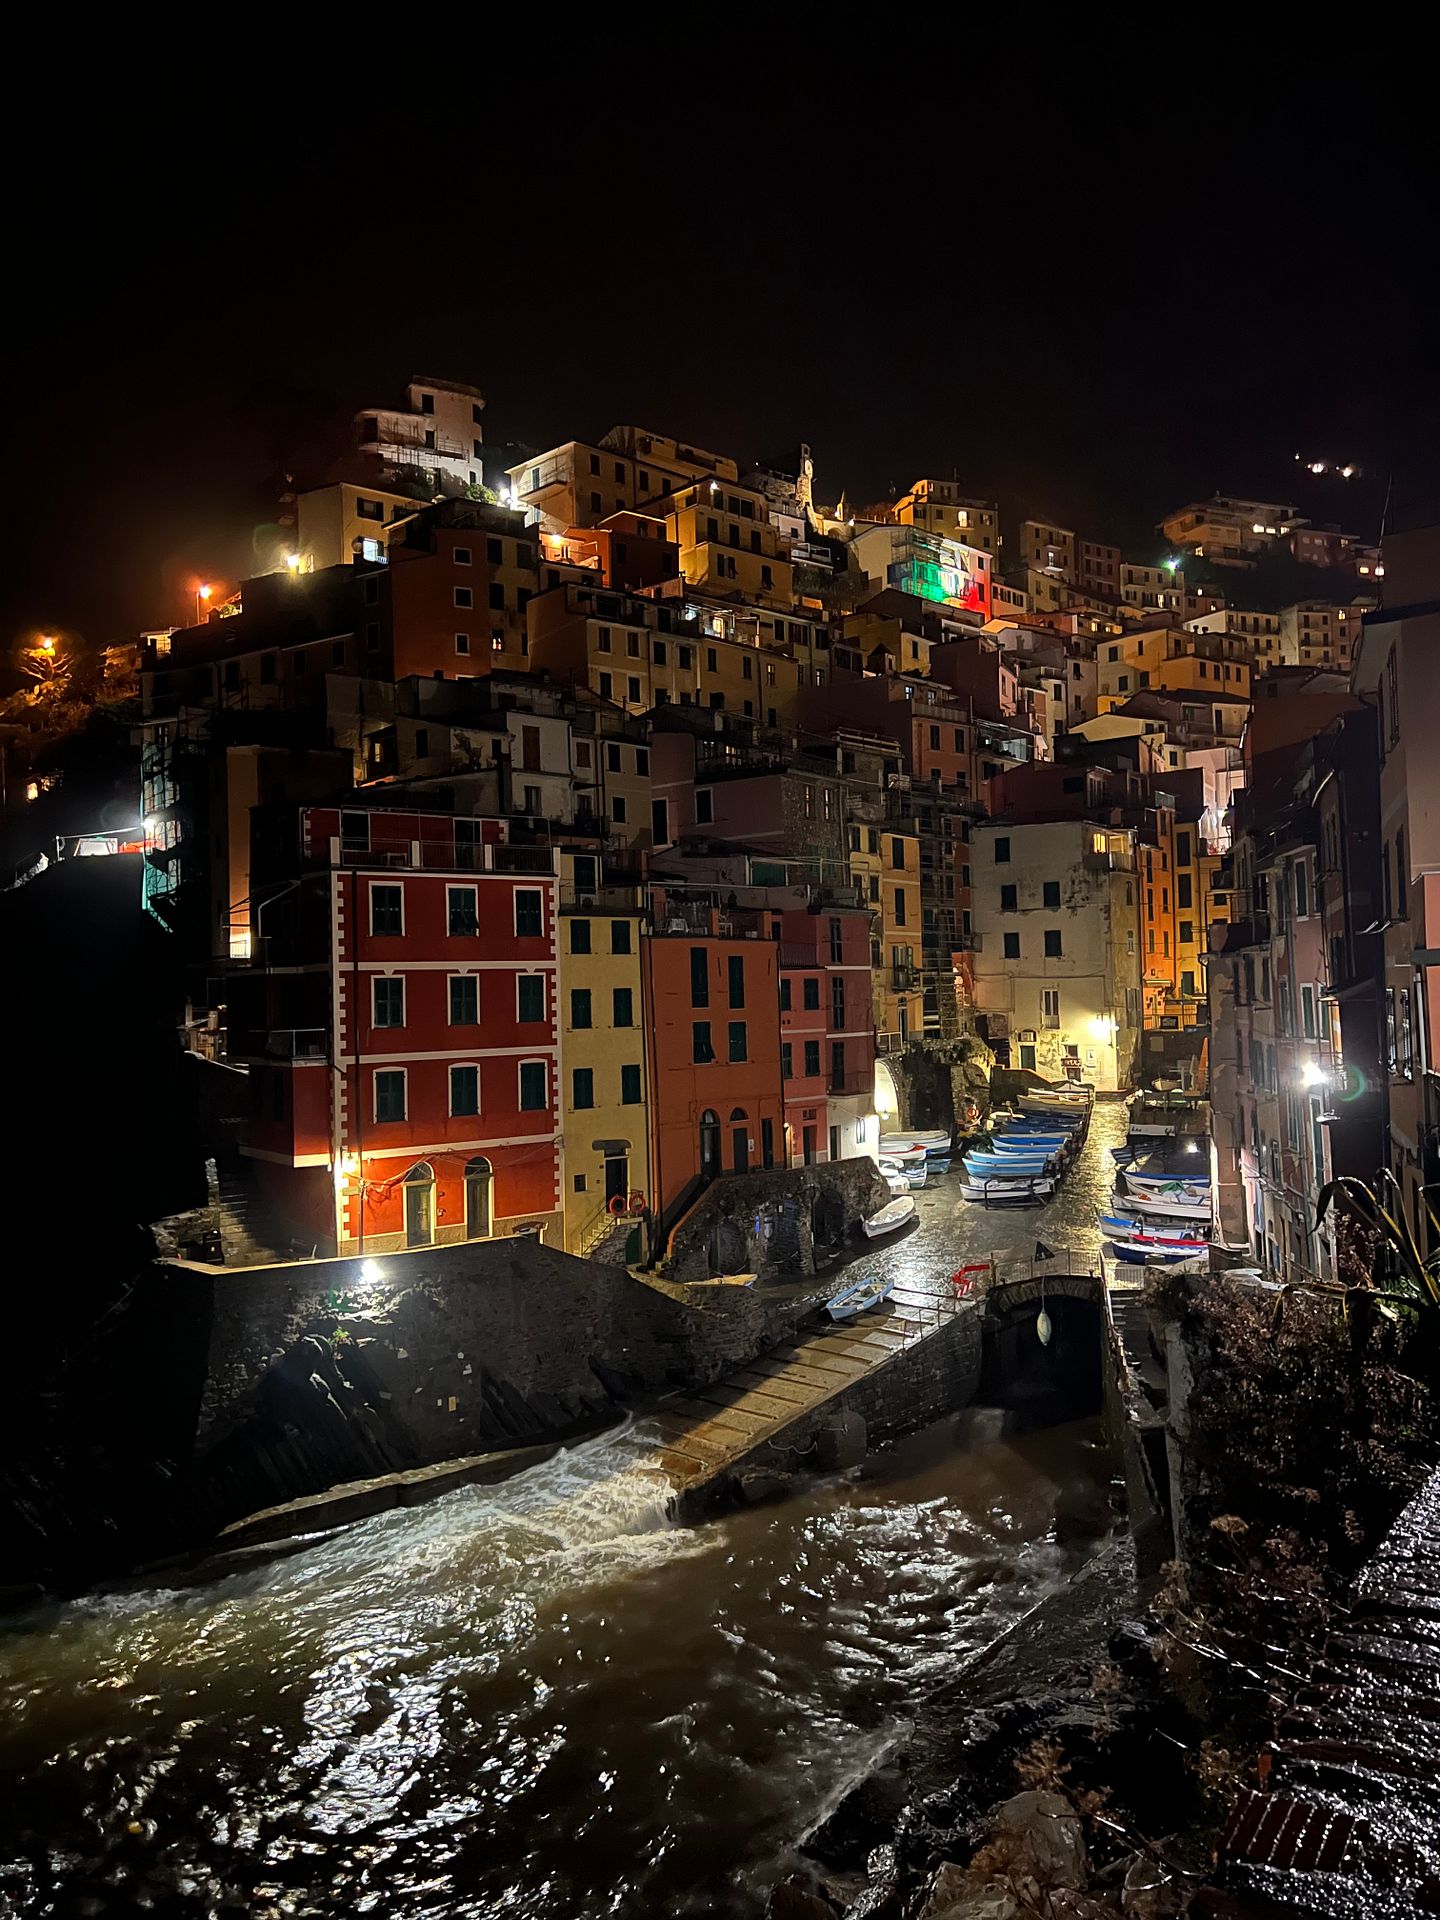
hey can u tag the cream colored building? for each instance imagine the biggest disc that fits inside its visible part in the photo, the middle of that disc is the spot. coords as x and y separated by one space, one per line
1321 633
939 506
1057 964
341 523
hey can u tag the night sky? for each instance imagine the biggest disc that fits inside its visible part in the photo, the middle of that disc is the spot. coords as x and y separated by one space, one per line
1093 311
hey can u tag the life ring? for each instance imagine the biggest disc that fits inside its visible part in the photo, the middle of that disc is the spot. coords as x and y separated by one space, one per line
617 1204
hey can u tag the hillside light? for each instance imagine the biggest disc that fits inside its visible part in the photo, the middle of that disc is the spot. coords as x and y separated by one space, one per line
1172 565
1311 1075
46 643
292 561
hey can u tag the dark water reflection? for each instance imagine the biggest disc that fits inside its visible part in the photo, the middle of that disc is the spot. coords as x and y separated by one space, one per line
539 1699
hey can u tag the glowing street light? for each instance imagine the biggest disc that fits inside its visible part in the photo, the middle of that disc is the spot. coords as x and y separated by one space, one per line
202 595
45 642
292 561
1172 565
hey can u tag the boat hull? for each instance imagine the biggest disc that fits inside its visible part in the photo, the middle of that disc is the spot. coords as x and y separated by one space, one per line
859 1298
898 1213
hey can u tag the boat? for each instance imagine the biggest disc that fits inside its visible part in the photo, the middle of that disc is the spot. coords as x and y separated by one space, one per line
1194 1185
931 1139
1028 1192
858 1296
1029 1142
1180 1210
937 1163
1006 1166
896 1182
1116 1226
1142 1253
891 1217
904 1153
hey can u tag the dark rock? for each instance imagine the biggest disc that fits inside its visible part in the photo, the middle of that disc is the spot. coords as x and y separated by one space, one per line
799 1897
865 1819
1132 1649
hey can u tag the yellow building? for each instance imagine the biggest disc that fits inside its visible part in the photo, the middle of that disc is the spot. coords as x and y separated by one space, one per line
887 645
727 544
885 865
603 1097
1169 660
341 523
939 506
642 653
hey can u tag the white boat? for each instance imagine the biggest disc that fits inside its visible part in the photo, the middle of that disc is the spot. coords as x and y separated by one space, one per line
931 1139
896 1182
1009 1193
904 1152
1195 1186
898 1213
1171 1209
859 1295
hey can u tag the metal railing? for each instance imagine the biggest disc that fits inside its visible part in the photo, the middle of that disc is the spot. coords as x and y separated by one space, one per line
297 1043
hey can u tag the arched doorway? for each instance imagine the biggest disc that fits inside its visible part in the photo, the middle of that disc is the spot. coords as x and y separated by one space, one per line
479 1199
739 1140
709 1144
420 1205
887 1105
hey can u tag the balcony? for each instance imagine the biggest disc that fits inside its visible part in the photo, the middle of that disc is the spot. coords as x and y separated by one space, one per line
607 897
441 857
1108 860
296 1043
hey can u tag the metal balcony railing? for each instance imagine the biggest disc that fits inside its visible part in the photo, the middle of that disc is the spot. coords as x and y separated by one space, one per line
297 1043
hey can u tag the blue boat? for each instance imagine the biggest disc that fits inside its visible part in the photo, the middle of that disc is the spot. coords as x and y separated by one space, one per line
1005 1166
1117 1226
858 1296
1036 1140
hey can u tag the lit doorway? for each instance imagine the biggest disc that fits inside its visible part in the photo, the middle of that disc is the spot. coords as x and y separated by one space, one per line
709 1144
479 1200
420 1205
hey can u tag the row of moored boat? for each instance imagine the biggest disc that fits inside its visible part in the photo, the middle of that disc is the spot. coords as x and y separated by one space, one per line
1028 1151
1161 1213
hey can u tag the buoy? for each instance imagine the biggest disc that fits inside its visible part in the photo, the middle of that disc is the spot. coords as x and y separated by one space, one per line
1042 1328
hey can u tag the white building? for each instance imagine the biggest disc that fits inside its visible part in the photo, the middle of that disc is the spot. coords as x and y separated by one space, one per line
437 429
1055 909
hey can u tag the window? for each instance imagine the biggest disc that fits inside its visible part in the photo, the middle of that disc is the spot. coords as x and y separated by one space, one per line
462 643
1052 895
837 1002
387 909
534 1086
1053 946
1307 1012
464 1000
622 1007
388 1001
530 998
1187 933
810 993
1002 849
699 977
630 1086
1050 1006
579 936
528 916
619 936
464 597
1407 1061
704 806
812 1056
1402 878
787 1060
617 809
702 1052
735 967
738 1046
461 556
899 906
582 1087
785 993
390 1094
1009 899
1012 946
464 1090
461 911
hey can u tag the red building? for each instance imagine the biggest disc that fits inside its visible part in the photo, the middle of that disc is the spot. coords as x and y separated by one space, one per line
712 1009
827 1035
401 1029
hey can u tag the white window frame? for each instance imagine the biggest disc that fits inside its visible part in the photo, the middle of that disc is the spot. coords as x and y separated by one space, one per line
539 893
473 1066
375 1096
452 887
462 643
399 886
389 1026
531 973
520 1067
448 1002
468 603
461 556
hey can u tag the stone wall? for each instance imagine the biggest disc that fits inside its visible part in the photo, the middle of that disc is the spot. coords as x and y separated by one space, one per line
291 1378
784 1220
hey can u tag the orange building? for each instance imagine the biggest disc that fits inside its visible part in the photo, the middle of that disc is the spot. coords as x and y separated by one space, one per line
712 1017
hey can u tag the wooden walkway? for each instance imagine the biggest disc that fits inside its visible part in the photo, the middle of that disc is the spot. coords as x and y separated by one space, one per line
697 1434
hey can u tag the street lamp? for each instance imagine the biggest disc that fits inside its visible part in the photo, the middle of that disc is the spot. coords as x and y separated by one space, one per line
202 595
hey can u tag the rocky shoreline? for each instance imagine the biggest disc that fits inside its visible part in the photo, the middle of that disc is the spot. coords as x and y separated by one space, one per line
1026 1782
